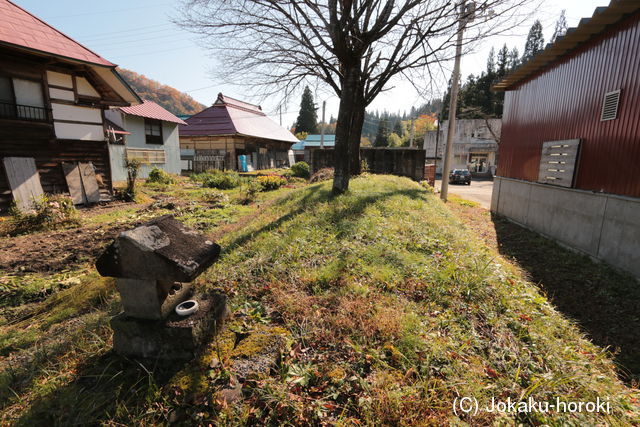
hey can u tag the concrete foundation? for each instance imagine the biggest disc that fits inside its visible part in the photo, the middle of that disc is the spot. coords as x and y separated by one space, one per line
175 337
603 226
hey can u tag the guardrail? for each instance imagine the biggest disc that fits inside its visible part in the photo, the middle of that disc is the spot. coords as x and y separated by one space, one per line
10 110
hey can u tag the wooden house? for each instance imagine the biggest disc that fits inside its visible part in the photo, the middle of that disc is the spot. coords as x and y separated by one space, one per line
53 95
570 144
146 132
231 134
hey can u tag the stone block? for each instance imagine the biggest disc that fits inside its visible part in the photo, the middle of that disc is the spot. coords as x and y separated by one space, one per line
151 299
174 338
162 249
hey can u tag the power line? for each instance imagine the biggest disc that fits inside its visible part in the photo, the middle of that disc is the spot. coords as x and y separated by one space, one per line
154 52
108 11
118 43
127 33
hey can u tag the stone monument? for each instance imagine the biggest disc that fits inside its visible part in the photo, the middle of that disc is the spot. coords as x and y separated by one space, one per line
154 265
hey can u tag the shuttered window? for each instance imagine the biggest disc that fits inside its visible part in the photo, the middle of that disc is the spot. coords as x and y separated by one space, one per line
147 156
610 105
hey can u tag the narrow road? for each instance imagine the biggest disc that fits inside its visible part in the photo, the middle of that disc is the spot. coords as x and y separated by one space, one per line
479 191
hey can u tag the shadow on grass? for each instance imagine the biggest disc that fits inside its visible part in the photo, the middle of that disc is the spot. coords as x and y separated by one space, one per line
317 194
106 388
603 301
111 389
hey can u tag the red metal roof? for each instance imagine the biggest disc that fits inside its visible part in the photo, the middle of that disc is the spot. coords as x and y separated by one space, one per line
151 110
228 116
587 29
20 28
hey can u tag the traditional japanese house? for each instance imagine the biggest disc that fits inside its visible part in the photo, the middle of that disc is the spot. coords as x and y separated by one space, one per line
234 135
146 132
53 94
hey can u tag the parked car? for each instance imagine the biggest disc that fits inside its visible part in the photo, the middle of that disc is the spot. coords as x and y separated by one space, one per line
460 176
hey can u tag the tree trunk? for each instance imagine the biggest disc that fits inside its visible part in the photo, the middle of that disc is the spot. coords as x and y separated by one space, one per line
351 101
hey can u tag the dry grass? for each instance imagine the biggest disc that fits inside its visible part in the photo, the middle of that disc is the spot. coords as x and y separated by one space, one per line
389 309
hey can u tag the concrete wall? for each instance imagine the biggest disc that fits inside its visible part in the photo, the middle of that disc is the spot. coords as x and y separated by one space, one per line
137 140
604 226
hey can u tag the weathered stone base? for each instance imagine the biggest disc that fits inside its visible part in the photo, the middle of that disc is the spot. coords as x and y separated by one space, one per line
172 338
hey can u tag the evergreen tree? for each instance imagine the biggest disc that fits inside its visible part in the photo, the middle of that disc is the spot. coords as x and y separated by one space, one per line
307 117
503 62
397 128
382 136
535 41
561 27
514 59
491 62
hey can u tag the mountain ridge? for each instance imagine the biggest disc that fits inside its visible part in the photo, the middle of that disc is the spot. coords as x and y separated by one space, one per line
169 98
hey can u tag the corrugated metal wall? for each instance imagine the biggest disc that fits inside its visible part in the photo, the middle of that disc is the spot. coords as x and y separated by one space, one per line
565 101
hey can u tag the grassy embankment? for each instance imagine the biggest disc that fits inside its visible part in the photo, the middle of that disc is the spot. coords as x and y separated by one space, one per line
386 308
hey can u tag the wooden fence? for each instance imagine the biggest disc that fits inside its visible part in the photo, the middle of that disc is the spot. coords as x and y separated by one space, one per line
407 162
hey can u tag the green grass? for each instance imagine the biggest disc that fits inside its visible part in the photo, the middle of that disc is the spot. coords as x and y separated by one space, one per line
388 307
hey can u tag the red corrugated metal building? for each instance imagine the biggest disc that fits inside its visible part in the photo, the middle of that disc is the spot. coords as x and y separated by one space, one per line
569 164
559 95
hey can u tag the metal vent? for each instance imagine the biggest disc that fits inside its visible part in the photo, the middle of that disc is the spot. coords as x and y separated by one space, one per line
610 105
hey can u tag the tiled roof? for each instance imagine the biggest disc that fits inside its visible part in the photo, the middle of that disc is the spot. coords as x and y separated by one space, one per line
227 100
228 116
20 28
151 110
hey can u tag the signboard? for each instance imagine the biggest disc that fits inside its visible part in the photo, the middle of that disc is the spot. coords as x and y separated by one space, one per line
558 162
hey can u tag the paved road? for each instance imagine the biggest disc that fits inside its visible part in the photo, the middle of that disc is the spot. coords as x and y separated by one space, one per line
478 191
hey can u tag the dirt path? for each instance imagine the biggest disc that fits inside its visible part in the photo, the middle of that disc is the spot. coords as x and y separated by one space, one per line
54 251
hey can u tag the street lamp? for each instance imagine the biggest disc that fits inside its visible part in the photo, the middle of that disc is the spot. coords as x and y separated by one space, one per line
466 15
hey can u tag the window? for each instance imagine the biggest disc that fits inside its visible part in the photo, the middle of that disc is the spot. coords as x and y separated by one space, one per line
147 156
610 106
153 131
21 99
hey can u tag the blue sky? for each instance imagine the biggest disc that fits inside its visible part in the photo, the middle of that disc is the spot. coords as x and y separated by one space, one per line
138 35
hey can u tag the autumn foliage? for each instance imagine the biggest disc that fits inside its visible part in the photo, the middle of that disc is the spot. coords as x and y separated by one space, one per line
169 98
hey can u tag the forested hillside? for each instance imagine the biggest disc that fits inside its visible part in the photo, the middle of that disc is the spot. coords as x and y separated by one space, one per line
169 98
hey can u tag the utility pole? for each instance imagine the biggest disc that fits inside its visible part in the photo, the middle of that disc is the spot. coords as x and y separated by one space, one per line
413 132
466 12
324 106
280 109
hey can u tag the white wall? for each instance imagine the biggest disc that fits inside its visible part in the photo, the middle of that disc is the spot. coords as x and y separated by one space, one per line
137 140
93 130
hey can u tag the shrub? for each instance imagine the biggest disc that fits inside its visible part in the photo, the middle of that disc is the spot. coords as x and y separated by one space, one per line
425 184
133 167
250 192
160 176
216 199
364 166
322 175
301 170
49 212
271 182
221 180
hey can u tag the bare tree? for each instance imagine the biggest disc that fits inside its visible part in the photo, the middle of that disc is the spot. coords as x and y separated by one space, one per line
356 47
